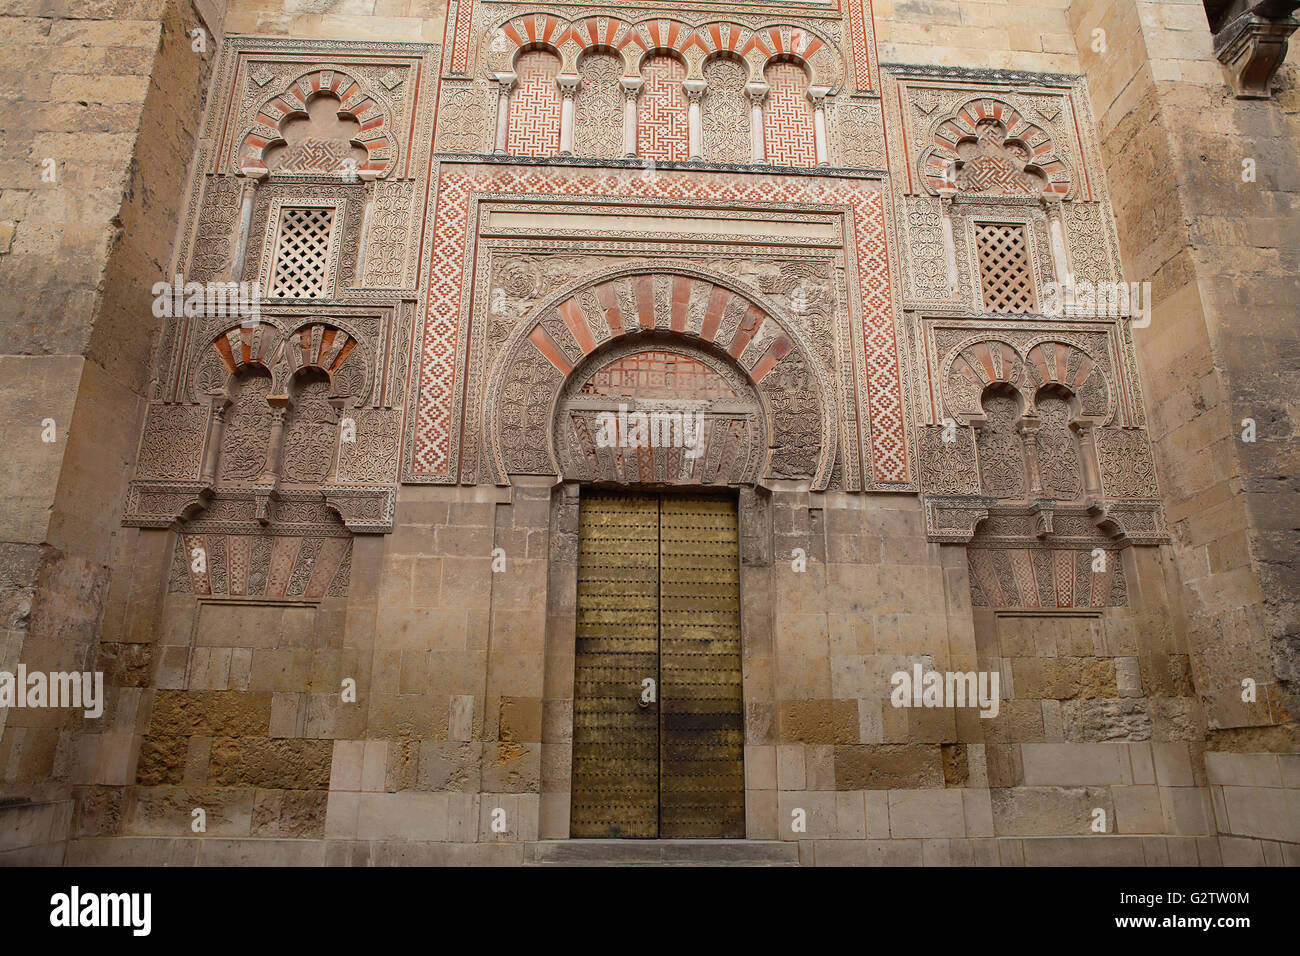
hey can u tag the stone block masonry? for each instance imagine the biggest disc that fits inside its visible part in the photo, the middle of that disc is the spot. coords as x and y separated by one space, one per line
319 653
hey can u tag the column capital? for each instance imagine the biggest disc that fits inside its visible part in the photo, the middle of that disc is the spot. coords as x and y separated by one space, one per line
505 81
818 95
568 83
757 92
695 89
218 401
631 85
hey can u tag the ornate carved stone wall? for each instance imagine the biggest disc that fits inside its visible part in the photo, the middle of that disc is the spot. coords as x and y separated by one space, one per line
852 275
303 189
1027 394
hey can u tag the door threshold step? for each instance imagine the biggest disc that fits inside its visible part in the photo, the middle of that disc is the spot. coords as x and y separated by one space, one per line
661 853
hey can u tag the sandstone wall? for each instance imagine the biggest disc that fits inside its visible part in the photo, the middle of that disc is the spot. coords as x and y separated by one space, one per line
1220 253
464 677
110 94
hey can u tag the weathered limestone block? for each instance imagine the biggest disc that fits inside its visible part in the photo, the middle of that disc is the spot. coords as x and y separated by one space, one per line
806 721
211 713
162 760
1047 811
1101 719
886 766
168 811
1062 678
510 767
263 762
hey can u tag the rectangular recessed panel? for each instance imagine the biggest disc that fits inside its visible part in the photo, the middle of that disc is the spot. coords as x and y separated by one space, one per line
615 739
702 739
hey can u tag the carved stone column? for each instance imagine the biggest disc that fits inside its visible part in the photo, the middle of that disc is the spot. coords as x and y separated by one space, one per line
694 95
818 96
757 93
1060 251
505 82
337 402
218 402
569 84
1087 433
1028 429
248 189
946 195
631 90
280 406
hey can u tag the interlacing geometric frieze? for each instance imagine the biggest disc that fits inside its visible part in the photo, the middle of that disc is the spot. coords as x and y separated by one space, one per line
1057 578
662 129
725 112
534 121
788 117
390 218
1001 450
247 432
1058 454
1126 465
311 430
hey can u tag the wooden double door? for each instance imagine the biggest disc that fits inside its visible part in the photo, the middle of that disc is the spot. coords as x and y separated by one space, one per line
658 720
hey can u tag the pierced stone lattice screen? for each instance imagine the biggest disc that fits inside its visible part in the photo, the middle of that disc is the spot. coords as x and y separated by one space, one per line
302 254
1005 275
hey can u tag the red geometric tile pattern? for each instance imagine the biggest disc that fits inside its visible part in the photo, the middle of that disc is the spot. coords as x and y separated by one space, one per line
859 18
534 128
438 371
655 374
788 117
461 19
662 133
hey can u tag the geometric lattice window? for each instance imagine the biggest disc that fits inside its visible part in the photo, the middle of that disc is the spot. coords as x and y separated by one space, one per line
300 267
1005 275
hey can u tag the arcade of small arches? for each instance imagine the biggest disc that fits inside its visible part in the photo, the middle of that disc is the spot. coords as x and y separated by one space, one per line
662 91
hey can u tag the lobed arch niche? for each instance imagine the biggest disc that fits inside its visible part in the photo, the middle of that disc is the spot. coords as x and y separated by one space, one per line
660 340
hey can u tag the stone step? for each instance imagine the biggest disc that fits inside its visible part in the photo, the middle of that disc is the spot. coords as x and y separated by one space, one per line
661 853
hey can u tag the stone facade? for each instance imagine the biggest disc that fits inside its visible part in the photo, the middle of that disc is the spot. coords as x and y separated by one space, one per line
334 592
